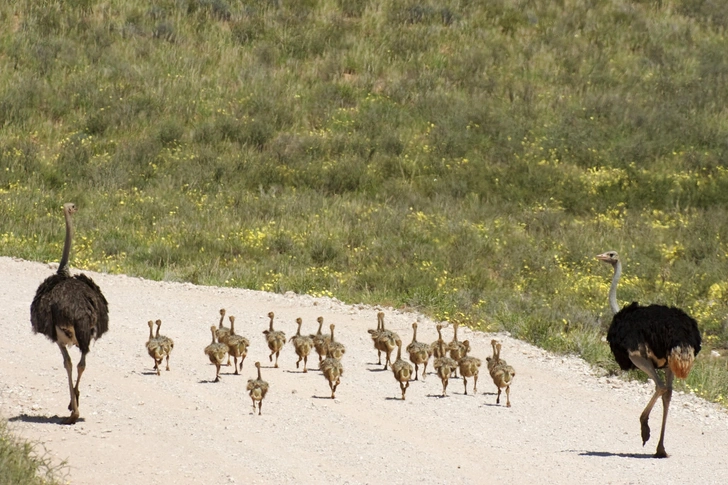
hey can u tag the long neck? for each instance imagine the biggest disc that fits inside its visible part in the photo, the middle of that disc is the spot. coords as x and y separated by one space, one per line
399 351
271 324
613 289
332 333
414 334
232 326
63 268
321 324
213 336
151 335
159 325
298 332
259 373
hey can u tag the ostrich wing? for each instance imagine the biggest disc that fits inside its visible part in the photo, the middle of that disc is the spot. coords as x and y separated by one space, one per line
70 303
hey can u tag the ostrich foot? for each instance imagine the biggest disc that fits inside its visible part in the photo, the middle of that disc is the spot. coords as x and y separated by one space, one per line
645 431
71 419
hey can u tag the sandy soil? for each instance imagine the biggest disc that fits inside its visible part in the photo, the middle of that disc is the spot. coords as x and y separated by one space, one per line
567 424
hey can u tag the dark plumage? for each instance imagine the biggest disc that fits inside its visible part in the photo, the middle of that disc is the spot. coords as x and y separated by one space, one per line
660 328
70 310
650 338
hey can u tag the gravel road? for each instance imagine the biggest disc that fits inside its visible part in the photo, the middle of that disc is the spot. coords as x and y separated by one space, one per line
568 423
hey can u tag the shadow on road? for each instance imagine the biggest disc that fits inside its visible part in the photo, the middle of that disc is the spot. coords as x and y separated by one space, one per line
606 454
26 418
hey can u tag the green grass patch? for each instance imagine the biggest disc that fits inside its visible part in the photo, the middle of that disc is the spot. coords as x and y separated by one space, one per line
21 464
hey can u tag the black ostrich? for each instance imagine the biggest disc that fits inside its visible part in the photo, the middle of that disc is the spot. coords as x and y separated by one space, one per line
70 310
650 338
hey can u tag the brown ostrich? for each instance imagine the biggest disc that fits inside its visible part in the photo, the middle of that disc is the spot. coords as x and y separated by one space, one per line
70 310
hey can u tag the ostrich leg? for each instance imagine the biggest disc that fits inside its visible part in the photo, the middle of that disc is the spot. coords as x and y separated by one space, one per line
80 368
661 453
73 406
661 390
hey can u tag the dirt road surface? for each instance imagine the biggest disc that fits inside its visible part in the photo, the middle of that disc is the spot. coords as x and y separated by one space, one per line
568 424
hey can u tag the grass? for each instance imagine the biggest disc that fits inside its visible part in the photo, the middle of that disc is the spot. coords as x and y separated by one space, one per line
464 159
20 463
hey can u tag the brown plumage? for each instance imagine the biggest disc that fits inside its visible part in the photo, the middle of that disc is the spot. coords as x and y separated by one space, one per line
166 343
216 353
335 349
321 340
154 347
457 349
386 342
257 389
375 333
303 345
70 310
469 367
222 332
402 370
275 339
444 367
501 373
435 347
237 346
419 353
332 370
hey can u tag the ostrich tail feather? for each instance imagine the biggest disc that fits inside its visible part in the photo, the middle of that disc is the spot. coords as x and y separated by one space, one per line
681 360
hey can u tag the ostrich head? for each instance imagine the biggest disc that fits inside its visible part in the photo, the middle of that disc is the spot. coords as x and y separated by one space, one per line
610 257
69 208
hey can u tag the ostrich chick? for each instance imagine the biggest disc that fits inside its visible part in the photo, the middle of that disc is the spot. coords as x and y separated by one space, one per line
419 353
321 340
166 343
469 367
376 333
501 373
216 353
275 339
435 347
237 346
257 389
335 349
303 345
154 347
332 371
402 370
222 332
386 342
457 349
444 367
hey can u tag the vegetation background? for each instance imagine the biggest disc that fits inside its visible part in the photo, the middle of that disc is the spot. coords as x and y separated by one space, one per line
467 159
